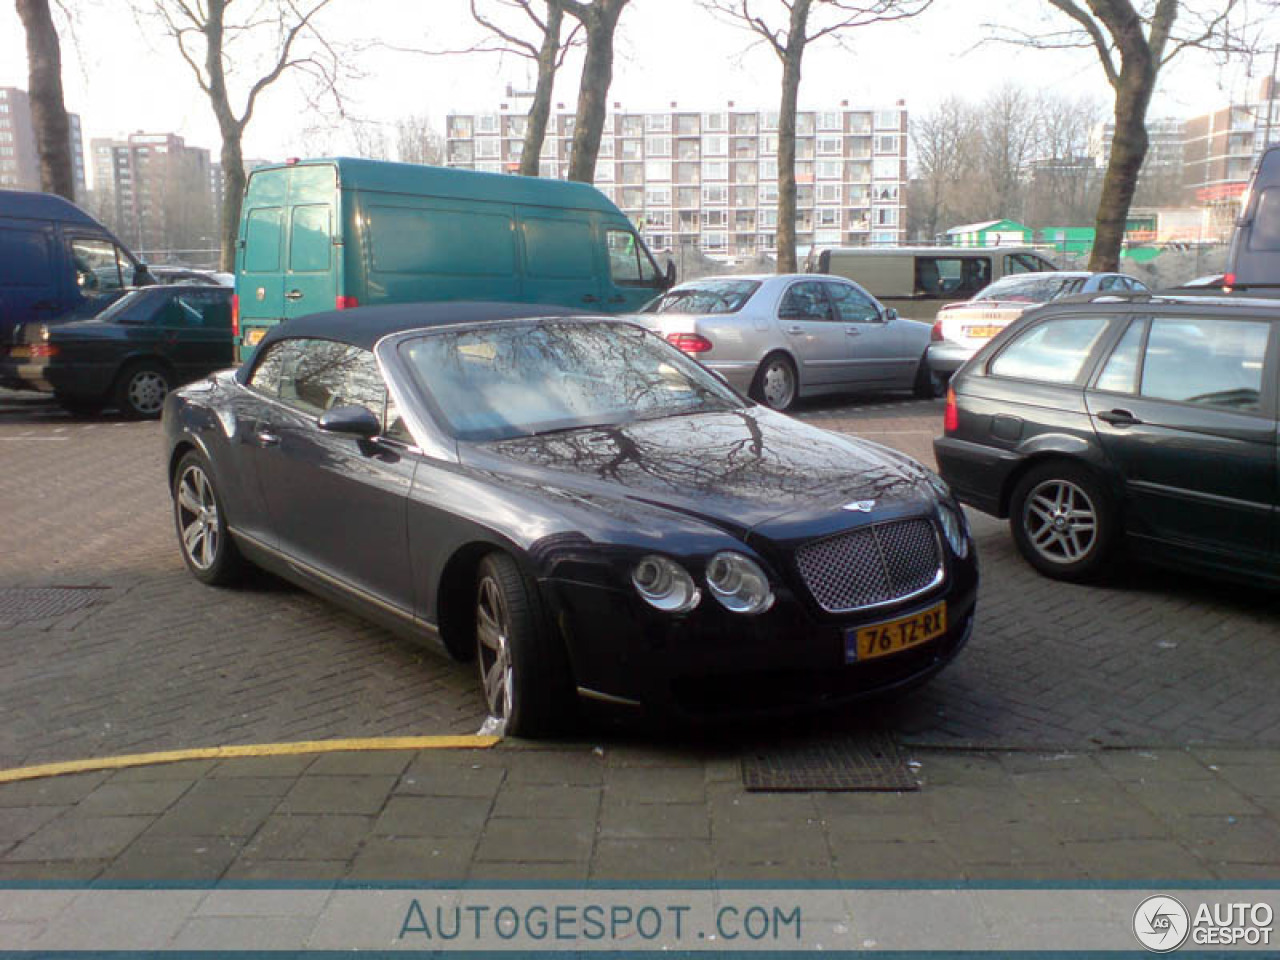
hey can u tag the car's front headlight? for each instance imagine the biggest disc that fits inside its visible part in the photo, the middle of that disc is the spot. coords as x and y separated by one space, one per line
955 527
739 583
664 584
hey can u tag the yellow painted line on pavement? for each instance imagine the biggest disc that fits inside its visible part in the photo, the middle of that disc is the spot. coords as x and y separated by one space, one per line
464 742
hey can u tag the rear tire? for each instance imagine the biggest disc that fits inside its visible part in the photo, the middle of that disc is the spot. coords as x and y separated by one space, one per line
524 671
1064 522
928 385
201 523
775 384
141 389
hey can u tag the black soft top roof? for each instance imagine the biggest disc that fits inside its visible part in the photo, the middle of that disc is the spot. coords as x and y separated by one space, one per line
364 326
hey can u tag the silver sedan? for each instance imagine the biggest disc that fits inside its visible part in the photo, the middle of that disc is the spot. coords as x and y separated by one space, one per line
779 337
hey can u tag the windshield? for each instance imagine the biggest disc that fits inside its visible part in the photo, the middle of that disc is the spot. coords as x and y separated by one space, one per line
1030 287
498 382
708 296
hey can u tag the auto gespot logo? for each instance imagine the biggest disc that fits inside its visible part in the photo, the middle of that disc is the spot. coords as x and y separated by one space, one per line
1162 924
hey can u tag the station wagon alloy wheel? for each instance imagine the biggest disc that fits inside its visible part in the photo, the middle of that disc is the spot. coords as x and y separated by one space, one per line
198 518
1060 521
493 648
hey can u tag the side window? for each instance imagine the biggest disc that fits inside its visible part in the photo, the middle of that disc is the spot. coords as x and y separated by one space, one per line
805 301
266 375
852 305
558 249
629 263
1265 234
1137 285
1052 352
203 311
1023 263
97 266
1205 361
1120 374
310 241
1110 283
24 259
322 374
177 313
262 240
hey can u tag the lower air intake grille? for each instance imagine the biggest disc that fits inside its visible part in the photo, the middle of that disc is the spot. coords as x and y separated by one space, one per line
871 565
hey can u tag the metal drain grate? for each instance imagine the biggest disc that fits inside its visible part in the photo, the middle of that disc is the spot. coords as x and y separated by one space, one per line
863 761
23 604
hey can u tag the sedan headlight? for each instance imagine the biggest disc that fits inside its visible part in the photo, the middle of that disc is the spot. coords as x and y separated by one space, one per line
739 583
955 527
665 584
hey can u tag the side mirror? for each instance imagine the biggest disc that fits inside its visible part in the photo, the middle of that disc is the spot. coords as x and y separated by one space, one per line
351 419
142 276
670 279
890 314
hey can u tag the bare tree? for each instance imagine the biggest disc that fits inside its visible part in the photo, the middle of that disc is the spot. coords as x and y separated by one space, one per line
946 147
1134 40
210 43
418 142
1063 186
1008 144
806 22
599 19
48 113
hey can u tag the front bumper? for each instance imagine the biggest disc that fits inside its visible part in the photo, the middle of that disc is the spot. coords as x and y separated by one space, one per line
711 664
738 373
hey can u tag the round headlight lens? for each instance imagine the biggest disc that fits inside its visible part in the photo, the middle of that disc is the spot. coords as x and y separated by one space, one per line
665 584
739 583
955 527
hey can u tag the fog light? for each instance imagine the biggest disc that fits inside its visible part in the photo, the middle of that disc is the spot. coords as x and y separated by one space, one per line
739 583
664 584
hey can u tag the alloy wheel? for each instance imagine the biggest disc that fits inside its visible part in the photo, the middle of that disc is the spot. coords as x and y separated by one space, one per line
1061 521
778 385
198 518
493 643
146 392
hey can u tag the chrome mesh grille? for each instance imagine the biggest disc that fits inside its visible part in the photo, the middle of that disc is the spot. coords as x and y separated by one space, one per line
871 565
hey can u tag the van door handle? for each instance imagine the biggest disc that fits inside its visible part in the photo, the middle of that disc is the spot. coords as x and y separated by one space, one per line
590 298
618 299
1119 418
293 295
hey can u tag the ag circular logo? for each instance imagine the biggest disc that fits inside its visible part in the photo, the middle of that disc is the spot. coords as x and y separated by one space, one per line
1161 923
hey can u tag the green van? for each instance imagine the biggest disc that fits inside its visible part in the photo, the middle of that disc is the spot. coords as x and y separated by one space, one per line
338 233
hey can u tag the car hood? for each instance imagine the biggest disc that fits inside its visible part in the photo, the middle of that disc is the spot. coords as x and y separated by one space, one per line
736 469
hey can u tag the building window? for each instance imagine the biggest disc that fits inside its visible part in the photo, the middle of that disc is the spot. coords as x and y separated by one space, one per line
658 146
715 194
768 193
886 168
714 218
829 146
886 216
687 125
768 169
657 122
715 146
657 169
886 143
888 120
486 148
715 170
715 240
827 217
829 169
632 149
829 121
828 193
715 122
804 124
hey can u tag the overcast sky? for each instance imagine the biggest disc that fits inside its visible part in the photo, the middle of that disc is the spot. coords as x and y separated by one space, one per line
120 74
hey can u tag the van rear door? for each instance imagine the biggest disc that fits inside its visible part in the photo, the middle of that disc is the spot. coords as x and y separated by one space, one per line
260 256
310 283
29 290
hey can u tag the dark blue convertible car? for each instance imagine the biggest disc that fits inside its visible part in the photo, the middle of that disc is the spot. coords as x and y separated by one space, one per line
589 513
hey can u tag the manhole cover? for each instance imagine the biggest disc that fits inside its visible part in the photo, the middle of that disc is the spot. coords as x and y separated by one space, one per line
21 604
864 761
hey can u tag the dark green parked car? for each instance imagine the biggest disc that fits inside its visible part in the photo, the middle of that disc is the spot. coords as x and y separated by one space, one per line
128 356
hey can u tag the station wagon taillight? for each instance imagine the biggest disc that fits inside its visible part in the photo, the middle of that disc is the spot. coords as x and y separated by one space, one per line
345 303
235 315
689 342
951 418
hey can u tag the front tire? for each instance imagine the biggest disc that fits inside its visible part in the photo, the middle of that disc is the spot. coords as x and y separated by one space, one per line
141 390
524 673
776 384
207 548
1063 521
79 406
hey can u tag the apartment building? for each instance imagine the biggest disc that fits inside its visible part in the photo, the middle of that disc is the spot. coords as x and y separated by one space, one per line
710 178
19 160
154 191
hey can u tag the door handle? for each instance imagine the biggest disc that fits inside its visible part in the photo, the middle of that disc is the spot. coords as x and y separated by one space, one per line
853 331
618 299
796 330
293 295
1119 418
265 438
590 298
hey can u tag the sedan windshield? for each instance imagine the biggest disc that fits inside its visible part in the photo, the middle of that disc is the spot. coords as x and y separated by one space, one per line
1031 288
708 296
498 382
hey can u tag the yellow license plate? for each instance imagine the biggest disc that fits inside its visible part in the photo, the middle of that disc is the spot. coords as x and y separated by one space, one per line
254 337
20 353
882 639
982 332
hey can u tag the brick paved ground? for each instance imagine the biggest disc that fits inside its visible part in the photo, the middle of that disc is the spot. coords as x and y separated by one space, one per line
635 813
158 661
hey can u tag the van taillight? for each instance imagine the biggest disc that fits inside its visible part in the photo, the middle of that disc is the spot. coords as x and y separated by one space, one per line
345 303
936 333
689 342
235 315
951 418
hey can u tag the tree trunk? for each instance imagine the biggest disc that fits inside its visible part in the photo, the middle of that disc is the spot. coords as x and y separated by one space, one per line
233 182
231 128
791 59
600 19
535 130
1128 151
48 114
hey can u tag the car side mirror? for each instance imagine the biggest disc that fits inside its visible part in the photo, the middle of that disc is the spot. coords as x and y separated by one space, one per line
670 279
890 314
351 419
142 276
